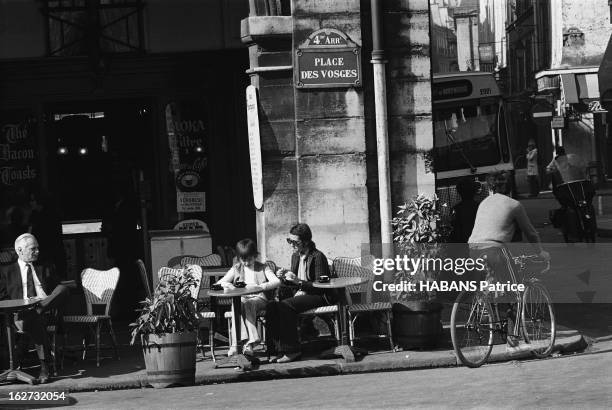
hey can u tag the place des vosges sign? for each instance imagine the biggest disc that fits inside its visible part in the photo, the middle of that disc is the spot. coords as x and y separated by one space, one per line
328 59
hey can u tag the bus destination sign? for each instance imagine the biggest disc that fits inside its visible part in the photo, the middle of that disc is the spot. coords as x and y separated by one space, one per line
328 59
450 90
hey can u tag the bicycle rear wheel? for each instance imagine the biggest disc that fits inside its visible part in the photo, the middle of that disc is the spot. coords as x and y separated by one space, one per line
472 328
538 319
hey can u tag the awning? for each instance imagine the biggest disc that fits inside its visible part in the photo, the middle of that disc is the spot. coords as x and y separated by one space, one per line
579 87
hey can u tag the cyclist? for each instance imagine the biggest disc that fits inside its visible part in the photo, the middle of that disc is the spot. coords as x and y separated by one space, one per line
498 220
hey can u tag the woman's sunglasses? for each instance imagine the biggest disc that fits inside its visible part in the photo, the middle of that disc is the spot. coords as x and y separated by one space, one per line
293 243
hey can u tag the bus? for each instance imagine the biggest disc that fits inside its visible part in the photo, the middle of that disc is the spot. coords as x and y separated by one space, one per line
470 131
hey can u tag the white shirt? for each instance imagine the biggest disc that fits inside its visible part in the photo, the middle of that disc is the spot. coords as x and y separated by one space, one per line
302 274
24 281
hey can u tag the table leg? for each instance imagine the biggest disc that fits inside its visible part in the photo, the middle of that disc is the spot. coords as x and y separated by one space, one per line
11 374
344 349
237 359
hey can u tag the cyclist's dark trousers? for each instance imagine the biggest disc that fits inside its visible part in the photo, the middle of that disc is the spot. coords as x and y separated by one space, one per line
499 262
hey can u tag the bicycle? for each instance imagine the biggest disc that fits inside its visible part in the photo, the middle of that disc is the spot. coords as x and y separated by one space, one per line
475 317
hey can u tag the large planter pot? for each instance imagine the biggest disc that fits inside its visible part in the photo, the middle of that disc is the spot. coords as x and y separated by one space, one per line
170 359
417 324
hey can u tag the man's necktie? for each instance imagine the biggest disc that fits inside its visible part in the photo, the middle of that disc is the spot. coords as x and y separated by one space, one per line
30 280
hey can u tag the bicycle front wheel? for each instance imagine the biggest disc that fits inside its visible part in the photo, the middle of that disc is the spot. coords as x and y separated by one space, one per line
472 328
538 319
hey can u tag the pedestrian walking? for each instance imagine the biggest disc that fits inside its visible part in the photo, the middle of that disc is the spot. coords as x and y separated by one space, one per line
532 169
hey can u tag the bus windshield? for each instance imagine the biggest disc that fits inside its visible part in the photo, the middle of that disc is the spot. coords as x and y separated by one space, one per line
466 135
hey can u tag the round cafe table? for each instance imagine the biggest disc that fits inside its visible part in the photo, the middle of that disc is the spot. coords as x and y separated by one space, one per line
7 308
237 359
343 349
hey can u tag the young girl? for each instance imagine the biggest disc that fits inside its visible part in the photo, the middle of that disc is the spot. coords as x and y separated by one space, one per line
253 273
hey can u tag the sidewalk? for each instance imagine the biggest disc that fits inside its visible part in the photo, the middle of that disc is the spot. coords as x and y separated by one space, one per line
129 371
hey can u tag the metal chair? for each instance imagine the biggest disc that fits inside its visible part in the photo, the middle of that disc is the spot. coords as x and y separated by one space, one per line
99 288
358 267
145 279
200 293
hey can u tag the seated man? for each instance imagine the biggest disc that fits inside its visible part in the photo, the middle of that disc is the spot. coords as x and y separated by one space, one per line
23 280
497 220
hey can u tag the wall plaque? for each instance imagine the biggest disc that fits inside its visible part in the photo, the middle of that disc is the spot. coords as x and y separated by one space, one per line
328 59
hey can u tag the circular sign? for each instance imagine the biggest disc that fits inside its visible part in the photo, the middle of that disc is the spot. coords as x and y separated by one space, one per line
187 180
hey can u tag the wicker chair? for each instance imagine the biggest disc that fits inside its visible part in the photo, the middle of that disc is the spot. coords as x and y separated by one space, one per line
197 274
99 287
145 279
199 292
330 310
351 267
261 319
212 260
7 256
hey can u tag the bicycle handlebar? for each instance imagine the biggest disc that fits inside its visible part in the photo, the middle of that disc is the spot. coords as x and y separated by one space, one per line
522 259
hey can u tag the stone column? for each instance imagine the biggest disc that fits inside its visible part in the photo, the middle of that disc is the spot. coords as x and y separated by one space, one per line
313 140
330 141
269 42
407 46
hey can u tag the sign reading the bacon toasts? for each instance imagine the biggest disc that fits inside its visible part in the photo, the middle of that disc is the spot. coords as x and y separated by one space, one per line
328 59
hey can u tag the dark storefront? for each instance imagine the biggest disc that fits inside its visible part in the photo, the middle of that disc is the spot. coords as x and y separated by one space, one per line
128 139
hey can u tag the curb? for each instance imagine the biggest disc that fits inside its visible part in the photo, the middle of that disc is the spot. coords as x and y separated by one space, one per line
401 361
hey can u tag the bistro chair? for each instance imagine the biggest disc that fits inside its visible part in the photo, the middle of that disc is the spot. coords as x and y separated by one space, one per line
99 288
145 279
362 267
330 311
212 260
200 293
261 318
175 261
197 274
7 256
24 342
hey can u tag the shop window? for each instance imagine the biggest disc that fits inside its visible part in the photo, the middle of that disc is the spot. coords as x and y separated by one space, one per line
81 27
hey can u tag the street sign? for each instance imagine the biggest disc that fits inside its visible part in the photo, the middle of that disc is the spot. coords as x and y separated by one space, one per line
254 146
542 110
486 53
328 59
557 122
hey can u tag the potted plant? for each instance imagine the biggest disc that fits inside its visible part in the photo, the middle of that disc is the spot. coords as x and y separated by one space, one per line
417 233
167 328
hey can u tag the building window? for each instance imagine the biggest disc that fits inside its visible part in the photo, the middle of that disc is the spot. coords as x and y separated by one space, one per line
82 27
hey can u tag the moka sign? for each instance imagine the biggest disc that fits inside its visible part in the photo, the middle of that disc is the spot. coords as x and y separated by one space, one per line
328 59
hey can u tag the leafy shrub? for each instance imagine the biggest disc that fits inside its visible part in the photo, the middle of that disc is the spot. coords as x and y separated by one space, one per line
418 233
172 309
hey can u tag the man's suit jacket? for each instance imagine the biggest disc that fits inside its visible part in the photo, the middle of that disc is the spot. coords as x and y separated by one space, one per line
10 280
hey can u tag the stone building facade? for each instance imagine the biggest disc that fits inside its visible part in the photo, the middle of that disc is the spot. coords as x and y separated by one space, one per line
177 63
319 145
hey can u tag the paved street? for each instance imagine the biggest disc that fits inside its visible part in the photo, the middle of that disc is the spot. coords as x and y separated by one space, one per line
581 381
